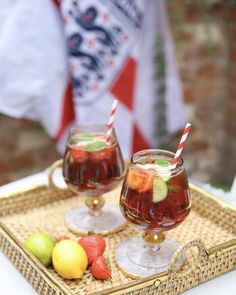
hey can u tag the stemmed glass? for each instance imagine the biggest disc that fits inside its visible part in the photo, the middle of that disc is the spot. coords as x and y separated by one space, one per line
92 165
155 198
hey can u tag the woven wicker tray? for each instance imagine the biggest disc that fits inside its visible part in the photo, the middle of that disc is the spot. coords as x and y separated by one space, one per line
207 236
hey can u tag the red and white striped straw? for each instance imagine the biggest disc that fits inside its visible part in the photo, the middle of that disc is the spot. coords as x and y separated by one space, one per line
111 120
182 143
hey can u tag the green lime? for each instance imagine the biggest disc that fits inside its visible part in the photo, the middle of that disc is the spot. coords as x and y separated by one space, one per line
41 246
160 190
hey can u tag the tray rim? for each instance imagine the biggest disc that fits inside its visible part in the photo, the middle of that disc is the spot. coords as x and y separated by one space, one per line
155 279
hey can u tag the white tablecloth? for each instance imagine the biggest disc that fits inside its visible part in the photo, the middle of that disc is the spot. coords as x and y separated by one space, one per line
13 283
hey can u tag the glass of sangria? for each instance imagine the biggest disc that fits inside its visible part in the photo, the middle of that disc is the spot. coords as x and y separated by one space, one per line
155 198
92 165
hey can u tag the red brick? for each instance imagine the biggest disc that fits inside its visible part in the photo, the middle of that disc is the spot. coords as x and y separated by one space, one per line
193 12
7 144
195 53
197 145
232 90
232 72
46 156
4 179
217 9
210 51
16 162
232 54
183 36
231 127
27 125
191 53
209 70
189 95
231 112
232 34
232 13
10 125
187 74
205 110
203 89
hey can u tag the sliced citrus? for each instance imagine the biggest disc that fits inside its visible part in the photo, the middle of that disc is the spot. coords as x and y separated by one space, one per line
133 180
139 180
147 183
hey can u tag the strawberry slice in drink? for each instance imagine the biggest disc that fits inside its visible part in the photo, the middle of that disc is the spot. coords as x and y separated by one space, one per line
99 149
79 155
104 154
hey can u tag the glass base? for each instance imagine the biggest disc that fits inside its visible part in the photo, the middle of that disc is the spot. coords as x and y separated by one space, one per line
80 221
135 260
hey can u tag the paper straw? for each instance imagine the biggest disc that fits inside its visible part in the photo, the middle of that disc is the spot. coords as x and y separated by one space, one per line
111 120
182 143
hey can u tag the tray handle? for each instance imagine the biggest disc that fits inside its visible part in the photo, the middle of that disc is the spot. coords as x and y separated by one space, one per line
51 171
202 257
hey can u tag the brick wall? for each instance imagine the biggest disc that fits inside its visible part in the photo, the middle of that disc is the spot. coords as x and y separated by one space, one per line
206 56
24 148
206 53
228 148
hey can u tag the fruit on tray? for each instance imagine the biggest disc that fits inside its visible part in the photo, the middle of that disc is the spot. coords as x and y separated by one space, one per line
69 259
61 238
41 245
100 269
94 245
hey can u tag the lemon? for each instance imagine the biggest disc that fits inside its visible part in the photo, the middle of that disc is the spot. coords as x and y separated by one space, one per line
69 259
41 246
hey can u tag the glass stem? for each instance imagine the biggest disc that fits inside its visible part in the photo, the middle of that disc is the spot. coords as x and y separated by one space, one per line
153 240
95 205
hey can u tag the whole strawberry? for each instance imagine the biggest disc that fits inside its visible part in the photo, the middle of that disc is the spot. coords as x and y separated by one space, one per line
100 269
94 245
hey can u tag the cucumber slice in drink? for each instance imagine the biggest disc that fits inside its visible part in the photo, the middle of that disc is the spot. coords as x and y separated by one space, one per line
160 190
162 163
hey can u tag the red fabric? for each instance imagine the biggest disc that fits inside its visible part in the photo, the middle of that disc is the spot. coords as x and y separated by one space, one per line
123 89
139 142
124 86
56 2
68 112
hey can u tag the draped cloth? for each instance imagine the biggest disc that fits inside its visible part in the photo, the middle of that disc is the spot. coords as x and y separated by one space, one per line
63 64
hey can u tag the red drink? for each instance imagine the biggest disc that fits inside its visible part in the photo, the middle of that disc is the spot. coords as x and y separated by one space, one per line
91 164
155 195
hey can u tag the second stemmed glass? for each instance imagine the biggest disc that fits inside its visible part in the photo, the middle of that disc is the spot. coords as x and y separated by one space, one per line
93 165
